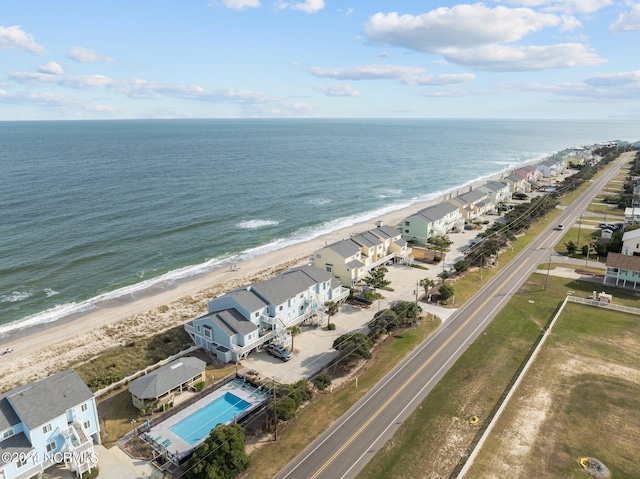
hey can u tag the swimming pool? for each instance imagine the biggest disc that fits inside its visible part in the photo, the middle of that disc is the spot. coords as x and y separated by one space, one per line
197 426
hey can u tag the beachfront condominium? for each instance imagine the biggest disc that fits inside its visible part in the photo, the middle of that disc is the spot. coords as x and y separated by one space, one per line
351 259
48 422
246 318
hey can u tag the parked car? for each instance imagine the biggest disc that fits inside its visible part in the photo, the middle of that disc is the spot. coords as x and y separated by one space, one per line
279 352
605 226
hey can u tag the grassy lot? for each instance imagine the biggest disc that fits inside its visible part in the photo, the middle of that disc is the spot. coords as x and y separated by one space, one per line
553 266
585 235
580 400
431 441
324 409
120 362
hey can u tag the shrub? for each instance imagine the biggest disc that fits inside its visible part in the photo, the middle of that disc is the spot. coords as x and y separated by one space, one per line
331 326
199 386
322 382
92 474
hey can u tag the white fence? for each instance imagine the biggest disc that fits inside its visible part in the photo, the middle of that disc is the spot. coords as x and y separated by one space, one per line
600 304
105 390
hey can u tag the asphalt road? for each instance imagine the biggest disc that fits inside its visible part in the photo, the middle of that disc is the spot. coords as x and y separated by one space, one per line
344 449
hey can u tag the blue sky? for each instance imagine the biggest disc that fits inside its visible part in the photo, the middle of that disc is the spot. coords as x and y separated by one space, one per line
319 59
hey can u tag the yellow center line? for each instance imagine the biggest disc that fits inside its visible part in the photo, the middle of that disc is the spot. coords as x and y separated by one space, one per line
408 381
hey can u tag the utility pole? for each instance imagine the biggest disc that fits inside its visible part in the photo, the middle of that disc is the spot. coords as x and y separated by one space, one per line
415 312
579 225
275 414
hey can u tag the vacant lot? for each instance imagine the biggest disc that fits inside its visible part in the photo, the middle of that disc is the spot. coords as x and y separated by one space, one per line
573 404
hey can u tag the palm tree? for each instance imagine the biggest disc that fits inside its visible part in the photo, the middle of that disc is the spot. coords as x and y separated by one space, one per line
427 283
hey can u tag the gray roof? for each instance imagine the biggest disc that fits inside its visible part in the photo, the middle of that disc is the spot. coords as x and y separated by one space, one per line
290 283
385 232
15 444
168 377
496 185
247 299
62 391
8 416
473 195
367 239
513 177
345 248
436 212
231 321
354 264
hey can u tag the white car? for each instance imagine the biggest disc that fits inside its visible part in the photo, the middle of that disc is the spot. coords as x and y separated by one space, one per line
279 352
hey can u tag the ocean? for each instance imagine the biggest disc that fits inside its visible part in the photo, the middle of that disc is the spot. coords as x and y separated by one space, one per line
95 210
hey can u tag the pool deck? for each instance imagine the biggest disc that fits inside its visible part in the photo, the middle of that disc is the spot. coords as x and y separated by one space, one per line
162 438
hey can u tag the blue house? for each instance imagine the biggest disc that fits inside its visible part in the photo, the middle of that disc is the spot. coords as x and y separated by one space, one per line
47 422
246 318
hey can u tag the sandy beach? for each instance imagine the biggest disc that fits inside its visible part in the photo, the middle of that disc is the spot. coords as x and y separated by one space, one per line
60 345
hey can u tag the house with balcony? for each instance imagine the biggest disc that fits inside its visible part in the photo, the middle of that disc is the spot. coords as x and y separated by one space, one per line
528 173
551 168
622 270
53 420
350 260
631 243
517 184
631 216
497 191
343 260
246 318
472 204
436 220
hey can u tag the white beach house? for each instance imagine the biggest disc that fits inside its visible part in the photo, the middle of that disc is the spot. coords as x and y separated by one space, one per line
497 191
244 319
53 420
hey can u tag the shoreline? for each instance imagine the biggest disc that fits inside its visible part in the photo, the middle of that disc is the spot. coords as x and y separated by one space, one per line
45 348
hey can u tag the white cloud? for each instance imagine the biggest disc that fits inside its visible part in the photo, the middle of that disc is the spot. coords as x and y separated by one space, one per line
367 72
511 59
308 6
81 54
439 80
52 68
462 26
338 90
69 81
241 4
15 37
50 100
627 22
566 6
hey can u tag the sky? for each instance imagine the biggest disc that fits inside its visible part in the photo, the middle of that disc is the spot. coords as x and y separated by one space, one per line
124 59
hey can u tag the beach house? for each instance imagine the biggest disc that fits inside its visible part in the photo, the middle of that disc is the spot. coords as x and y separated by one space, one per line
167 383
471 204
623 269
550 168
436 220
47 422
350 260
631 216
517 184
497 191
244 319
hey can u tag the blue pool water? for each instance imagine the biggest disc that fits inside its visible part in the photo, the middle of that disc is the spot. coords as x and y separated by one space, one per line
197 426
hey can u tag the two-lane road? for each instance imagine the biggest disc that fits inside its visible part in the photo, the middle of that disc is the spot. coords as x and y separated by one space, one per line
343 450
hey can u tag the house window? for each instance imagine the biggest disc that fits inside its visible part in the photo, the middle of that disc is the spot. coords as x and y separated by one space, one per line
7 433
87 424
301 296
280 308
84 407
198 328
51 446
257 314
23 460
207 332
46 429
318 256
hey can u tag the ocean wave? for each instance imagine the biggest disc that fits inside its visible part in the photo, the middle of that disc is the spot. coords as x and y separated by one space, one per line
50 292
255 224
15 296
319 201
